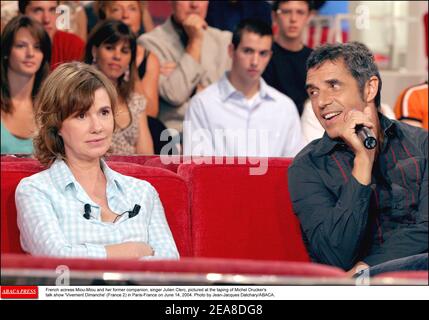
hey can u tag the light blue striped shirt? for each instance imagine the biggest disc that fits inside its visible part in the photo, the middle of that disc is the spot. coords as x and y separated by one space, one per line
50 208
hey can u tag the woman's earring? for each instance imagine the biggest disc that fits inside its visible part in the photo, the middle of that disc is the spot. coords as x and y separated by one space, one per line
127 75
94 61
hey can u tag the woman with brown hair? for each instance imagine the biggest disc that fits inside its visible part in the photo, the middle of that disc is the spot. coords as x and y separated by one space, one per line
25 56
111 47
79 207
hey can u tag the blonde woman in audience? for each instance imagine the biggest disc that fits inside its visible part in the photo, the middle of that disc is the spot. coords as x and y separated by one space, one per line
79 207
25 55
111 47
136 16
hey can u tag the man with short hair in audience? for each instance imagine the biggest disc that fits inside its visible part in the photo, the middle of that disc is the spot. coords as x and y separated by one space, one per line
287 69
66 46
240 115
192 56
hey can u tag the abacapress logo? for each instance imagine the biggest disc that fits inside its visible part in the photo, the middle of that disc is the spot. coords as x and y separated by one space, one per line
19 292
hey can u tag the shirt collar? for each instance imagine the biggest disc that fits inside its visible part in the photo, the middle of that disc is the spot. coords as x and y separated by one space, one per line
63 177
227 89
326 144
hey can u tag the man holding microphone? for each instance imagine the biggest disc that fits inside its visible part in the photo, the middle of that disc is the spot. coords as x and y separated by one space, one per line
361 191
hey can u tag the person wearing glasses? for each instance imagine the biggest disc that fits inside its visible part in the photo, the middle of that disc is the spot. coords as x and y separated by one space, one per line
79 207
287 69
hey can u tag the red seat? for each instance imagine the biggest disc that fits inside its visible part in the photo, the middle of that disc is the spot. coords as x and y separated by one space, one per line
184 265
172 189
11 158
238 215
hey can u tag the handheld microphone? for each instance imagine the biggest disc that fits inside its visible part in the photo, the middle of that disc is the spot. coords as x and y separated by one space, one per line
366 136
87 209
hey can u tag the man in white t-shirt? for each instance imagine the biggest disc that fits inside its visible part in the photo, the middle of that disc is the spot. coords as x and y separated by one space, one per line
240 115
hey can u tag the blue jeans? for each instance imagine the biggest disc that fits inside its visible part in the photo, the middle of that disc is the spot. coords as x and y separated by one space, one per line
417 262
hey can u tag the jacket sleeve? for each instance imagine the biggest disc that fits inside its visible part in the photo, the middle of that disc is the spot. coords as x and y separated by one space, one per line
333 225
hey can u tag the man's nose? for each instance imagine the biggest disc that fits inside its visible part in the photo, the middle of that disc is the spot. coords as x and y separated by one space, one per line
46 18
255 59
324 99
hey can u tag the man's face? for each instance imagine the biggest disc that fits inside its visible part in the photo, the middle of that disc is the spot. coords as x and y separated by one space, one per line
43 12
291 18
251 57
333 93
183 9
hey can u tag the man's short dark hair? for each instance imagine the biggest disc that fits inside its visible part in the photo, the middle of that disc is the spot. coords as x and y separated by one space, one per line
357 58
250 25
276 4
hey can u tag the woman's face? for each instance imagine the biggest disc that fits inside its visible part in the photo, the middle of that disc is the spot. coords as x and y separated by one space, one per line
126 11
87 136
113 59
25 55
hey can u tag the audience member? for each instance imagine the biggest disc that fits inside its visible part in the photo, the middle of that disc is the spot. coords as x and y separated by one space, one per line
287 70
412 106
25 55
65 46
75 208
134 14
111 48
241 115
131 13
192 56
360 209
226 15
